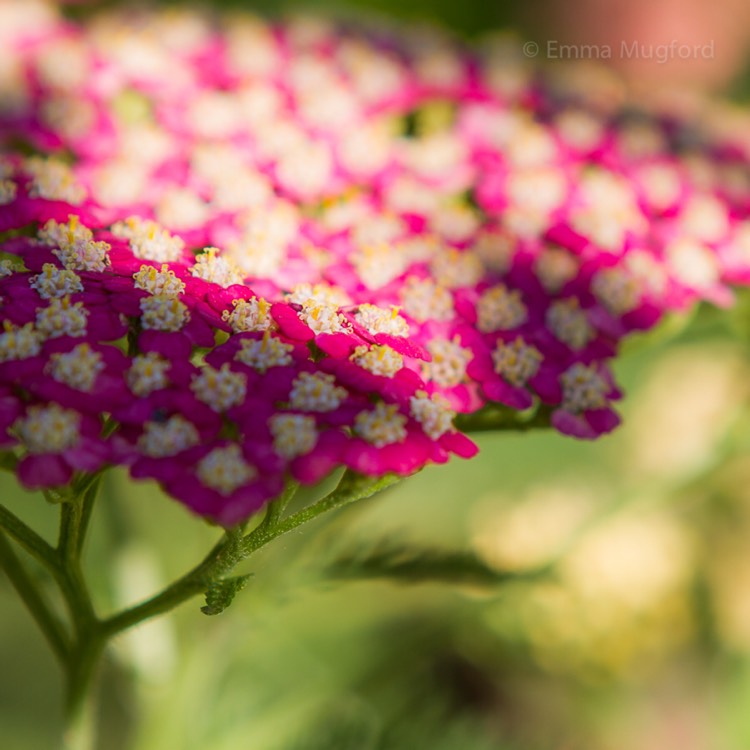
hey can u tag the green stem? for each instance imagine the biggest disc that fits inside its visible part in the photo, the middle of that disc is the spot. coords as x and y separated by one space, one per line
32 597
222 558
80 723
87 508
275 510
69 574
28 539
351 488
89 638
72 527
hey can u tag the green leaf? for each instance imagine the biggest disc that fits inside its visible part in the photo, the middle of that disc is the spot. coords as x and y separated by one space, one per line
221 594
406 564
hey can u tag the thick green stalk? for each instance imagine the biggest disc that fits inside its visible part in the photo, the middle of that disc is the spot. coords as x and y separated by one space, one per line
70 575
88 640
80 703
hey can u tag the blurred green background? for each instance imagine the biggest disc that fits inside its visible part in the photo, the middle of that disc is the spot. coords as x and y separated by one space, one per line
623 622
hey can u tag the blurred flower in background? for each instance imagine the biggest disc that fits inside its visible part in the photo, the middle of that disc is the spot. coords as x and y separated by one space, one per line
680 417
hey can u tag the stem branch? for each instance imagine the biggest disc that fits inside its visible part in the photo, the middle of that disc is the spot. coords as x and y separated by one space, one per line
222 558
233 548
28 539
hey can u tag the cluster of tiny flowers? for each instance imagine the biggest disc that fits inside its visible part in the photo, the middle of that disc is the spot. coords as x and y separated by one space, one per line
246 251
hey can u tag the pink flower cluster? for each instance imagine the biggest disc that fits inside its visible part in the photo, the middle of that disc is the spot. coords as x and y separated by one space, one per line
236 251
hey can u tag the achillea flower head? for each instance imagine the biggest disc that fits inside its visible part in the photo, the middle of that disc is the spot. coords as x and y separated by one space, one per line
251 281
